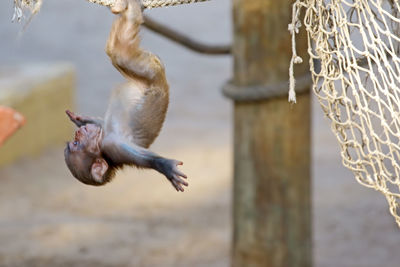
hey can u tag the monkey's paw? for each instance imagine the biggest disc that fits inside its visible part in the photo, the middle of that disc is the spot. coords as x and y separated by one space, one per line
169 168
119 6
73 117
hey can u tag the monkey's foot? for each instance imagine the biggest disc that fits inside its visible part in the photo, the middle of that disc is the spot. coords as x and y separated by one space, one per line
82 120
119 6
169 168
73 117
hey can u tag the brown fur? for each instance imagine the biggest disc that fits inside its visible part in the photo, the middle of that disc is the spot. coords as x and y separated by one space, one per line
135 114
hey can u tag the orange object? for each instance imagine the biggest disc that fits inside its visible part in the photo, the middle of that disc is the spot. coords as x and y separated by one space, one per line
10 121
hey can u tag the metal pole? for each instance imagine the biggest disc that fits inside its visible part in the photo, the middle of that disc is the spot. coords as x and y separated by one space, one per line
271 202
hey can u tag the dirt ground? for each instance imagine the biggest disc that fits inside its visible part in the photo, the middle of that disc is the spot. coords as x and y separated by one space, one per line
49 219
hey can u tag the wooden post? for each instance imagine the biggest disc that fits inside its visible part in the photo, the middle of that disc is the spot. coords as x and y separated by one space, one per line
271 203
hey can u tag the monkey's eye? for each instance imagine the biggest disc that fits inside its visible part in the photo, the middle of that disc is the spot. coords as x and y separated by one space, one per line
75 143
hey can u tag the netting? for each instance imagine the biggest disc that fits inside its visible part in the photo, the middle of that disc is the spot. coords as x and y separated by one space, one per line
33 6
149 3
357 83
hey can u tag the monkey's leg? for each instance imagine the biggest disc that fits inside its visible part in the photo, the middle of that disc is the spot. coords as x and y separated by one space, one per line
144 98
124 51
122 152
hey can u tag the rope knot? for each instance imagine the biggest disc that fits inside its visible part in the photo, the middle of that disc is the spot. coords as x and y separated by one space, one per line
297 60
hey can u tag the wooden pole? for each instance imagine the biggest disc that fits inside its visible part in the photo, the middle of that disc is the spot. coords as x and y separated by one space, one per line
271 203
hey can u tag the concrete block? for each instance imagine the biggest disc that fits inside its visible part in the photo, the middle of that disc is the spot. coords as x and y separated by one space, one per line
42 93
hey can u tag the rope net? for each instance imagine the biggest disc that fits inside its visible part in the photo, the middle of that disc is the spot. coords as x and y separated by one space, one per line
357 84
33 6
149 3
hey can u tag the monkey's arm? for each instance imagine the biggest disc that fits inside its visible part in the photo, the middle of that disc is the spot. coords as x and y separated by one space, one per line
83 120
122 152
123 46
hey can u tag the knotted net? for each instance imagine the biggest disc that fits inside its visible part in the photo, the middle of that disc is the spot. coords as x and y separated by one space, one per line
355 67
33 6
150 3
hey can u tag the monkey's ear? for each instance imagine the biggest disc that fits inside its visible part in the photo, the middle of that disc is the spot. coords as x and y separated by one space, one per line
99 168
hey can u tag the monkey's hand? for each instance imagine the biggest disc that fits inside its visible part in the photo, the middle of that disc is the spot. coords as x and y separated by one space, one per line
82 120
169 168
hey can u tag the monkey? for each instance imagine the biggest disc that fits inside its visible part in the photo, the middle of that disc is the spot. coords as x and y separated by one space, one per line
134 116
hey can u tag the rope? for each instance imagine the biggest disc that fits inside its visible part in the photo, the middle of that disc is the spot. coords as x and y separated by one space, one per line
33 6
294 29
185 40
264 92
149 3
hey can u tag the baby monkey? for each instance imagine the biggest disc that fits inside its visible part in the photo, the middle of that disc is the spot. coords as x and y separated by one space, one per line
134 116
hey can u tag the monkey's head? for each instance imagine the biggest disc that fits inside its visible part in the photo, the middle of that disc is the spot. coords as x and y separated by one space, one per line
84 157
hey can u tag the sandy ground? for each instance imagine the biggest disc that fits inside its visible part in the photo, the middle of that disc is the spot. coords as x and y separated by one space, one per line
49 219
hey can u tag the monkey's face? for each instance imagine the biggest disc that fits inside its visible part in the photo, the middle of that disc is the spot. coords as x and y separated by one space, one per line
84 152
87 139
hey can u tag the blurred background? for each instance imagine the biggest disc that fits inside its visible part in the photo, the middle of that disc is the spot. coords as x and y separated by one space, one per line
47 218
